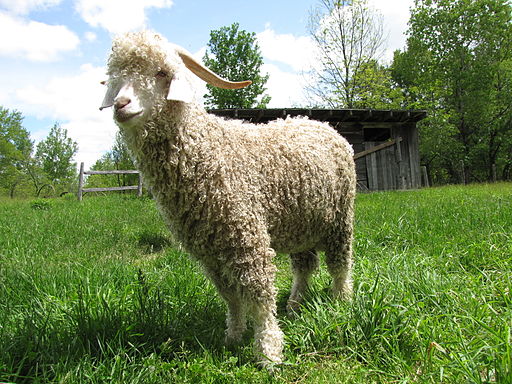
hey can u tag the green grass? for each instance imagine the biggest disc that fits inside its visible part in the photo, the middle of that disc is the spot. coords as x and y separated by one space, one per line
98 292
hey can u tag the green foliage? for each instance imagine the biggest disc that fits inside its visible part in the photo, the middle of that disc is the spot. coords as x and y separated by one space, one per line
88 295
457 66
55 154
15 150
234 54
41 204
374 88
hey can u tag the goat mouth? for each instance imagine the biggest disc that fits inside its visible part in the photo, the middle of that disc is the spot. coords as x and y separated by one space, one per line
123 116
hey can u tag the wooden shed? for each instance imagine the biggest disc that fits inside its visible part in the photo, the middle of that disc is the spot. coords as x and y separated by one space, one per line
385 142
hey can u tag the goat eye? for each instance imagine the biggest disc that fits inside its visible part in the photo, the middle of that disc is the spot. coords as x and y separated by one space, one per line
161 74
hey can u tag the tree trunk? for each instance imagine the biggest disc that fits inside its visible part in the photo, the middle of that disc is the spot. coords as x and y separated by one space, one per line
11 190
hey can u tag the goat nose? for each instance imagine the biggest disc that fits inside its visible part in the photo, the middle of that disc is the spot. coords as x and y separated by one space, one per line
121 102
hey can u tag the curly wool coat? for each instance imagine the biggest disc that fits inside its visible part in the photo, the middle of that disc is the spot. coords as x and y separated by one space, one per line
236 193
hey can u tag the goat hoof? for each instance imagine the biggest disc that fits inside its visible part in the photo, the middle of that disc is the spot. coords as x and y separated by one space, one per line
293 308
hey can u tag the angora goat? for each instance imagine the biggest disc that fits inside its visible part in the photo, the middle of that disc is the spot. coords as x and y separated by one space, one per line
235 193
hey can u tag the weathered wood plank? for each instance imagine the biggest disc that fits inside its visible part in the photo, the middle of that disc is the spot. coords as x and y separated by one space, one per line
127 188
374 149
399 162
411 142
113 172
372 167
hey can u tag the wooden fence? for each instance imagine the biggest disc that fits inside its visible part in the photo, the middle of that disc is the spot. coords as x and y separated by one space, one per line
82 190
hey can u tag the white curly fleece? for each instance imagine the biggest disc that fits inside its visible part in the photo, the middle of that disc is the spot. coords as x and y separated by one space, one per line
236 193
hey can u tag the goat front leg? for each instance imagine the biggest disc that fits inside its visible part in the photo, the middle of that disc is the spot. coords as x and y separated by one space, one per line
260 294
236 321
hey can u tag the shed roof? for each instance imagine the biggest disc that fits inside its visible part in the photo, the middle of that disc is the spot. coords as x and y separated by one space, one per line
330 115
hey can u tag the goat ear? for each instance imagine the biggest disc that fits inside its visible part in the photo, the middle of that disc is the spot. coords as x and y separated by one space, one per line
180 89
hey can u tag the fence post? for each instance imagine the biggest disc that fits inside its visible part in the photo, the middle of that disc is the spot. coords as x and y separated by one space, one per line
81 182
494 178
139 187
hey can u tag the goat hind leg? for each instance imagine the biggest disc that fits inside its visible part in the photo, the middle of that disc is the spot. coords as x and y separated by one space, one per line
339 265
303 265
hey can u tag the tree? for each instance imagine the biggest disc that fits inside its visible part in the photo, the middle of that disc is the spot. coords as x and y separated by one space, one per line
55 155
373 87
15 149
235 55
421 90
459 51
350 37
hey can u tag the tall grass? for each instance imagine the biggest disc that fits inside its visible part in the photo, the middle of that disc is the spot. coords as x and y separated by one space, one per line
98 291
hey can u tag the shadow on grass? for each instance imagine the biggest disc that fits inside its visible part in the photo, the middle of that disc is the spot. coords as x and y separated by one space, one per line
146 319
151 242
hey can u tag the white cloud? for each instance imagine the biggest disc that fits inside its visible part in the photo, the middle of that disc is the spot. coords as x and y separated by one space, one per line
67 96
23 7
34 40
286 82
285 88
118 16
74 101
90 36
396 16
296 51
94 138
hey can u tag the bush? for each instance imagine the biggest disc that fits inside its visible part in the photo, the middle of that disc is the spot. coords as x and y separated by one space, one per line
41 204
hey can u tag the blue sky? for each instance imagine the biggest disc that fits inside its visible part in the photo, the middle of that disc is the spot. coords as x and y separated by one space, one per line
53 52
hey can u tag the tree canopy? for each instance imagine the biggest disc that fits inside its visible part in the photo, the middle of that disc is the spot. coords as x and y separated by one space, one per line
15 149
55 155
234 54
51 167
457 65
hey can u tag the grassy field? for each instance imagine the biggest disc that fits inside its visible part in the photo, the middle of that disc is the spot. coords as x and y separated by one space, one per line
98 292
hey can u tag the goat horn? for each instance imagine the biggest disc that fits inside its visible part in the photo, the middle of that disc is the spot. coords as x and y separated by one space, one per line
205 74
